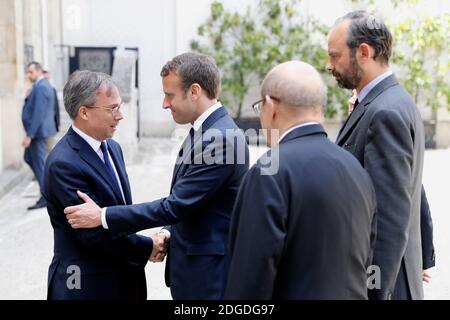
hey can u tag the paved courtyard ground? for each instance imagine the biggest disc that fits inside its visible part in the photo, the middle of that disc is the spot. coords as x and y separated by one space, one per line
26 238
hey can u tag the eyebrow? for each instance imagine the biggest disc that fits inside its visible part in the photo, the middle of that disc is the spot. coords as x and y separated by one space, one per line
115 104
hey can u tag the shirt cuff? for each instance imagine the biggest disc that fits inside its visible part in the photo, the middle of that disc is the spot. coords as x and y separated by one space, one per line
104 224
166 232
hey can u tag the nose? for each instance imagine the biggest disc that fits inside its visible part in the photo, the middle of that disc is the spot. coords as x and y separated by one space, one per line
166 104
119 115
329 66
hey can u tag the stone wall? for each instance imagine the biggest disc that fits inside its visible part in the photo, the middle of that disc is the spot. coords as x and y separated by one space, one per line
21 39
11 82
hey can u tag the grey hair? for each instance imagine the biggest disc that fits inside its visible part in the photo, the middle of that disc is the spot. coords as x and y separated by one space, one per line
366 28
192 67
81 89
300 94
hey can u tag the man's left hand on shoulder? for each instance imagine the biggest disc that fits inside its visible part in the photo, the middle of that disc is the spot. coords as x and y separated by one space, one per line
86 215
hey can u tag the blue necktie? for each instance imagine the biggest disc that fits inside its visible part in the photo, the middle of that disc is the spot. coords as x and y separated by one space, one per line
108 165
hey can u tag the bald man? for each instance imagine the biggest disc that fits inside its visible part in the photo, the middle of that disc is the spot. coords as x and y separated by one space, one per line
295 234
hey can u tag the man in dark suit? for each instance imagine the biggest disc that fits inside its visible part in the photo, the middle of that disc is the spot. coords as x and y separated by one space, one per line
37 118
205 182
385 133
89 263
303 231
426 223
55 94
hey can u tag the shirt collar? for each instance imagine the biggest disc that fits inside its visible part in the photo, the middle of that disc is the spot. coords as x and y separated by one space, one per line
95 144
368 87
295 127
198 123
39 79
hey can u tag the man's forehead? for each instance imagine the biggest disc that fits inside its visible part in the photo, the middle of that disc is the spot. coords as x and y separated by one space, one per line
172 80
107 90
106 87
339 32
172 77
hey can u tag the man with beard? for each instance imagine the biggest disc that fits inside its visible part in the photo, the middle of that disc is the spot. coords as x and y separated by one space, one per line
385 133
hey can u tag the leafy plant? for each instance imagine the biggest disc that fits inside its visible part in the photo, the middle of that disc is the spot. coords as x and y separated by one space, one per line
246 46
421 53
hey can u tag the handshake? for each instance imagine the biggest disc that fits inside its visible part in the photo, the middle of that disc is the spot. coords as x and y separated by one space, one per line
160 245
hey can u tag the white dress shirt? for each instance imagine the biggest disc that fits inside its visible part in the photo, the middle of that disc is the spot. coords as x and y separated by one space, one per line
205 115
95 145
368 87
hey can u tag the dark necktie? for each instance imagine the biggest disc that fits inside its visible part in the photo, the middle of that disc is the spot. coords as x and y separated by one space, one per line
348 118
188 141
355 105
108 164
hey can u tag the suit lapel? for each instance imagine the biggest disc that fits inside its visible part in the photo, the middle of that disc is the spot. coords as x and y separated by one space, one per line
186 147
359 111
92 159
351 122
216 115
121 171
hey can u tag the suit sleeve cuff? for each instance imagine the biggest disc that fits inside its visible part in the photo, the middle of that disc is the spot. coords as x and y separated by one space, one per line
430 262
104 223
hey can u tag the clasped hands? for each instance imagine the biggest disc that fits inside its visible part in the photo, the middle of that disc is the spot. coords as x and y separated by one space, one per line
160 245
88 215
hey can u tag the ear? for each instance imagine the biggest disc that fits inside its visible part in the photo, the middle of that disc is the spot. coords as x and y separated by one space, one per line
195 90
365 53
82 112
272 108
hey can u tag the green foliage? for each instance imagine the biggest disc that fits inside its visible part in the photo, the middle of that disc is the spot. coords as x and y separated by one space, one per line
421 53
234 43
419 50
247 45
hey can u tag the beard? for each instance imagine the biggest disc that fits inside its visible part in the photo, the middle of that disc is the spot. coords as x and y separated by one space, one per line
351 77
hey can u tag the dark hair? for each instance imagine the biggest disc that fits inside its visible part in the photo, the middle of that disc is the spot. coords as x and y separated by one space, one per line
36 64
195 68
365 28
